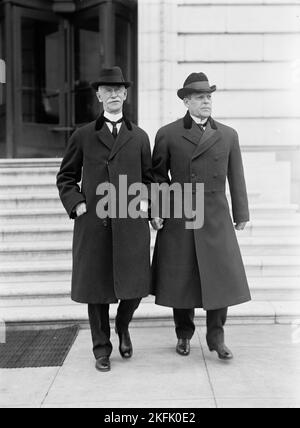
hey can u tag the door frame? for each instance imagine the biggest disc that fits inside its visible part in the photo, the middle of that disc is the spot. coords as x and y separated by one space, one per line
39 15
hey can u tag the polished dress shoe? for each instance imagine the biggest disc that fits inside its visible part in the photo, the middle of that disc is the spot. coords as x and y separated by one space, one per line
183 347
223 352
103 364
125 347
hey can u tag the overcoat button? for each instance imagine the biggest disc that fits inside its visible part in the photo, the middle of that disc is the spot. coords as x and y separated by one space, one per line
105 224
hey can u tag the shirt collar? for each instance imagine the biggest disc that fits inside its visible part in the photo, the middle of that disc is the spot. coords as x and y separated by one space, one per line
113 117
199 121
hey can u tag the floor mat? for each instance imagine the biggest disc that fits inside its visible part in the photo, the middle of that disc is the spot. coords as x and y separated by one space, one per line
37 348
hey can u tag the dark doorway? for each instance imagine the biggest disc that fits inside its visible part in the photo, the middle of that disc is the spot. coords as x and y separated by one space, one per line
55 57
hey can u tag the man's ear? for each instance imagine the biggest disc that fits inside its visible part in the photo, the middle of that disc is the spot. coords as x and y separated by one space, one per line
125 94
99 97
186 102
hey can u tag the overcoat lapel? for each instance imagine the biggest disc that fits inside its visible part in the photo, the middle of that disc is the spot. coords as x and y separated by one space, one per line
105 136
123 137
210 138
194 134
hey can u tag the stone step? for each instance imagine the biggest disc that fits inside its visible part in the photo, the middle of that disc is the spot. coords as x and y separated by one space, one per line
63 230
33 216
42 200
61 250
26 201
150 314
29 293
7 174
37 251
272 227
270 245
36 233
271 211
60 270
42 187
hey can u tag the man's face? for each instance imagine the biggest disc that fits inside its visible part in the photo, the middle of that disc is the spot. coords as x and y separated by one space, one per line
112 97
199 105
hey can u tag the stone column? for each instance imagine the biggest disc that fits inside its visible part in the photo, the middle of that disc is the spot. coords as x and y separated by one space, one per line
157 63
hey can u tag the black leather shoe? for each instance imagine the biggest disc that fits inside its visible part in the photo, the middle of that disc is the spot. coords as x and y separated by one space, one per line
103 364
183 347
125 347
223 352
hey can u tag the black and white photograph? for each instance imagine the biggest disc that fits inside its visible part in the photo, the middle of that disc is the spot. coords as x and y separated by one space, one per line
149 206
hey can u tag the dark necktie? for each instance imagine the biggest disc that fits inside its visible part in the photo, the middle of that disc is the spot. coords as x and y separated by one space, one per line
114 124
202 126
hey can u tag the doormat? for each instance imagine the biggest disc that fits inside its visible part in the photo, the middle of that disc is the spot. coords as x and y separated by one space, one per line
37 348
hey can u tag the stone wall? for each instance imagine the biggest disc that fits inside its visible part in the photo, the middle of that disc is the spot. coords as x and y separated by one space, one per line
251 50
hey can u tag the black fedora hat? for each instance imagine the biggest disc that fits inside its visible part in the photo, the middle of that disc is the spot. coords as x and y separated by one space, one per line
196 83
111 77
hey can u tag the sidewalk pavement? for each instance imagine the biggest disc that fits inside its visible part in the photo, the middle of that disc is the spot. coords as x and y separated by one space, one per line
264 373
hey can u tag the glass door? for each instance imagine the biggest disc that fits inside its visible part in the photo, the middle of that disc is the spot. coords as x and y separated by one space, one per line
126 52
40 110
2 87
88 60
55 58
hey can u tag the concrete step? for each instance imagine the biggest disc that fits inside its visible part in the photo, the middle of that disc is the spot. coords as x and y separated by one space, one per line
35 290
275 289
271 211
62 230
24 187
36 233
272 266
31 216
37 251
41 199
148 314
26 201
62 250
60 270
29 293
272 228
270 246
8 174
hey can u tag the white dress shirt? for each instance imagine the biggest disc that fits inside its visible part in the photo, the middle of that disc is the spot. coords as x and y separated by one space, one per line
199 121
113 118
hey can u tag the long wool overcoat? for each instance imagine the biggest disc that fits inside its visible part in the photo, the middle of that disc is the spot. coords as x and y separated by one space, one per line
111 257
201 267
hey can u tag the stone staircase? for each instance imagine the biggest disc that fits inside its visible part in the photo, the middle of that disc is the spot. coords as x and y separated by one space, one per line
36 242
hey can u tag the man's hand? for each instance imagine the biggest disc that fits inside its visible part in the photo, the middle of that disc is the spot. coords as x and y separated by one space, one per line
81 209
240 226
157 223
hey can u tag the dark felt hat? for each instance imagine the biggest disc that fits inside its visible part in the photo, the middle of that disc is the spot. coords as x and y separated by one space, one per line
111 77
196 83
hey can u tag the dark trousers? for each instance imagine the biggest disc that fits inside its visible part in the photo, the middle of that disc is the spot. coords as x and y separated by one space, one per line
215 321
100 326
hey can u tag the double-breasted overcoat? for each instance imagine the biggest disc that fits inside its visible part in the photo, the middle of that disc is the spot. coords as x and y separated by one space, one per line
111 257
201 267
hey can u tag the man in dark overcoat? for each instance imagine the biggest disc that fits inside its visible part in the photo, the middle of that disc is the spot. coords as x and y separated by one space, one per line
111 256
200 268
